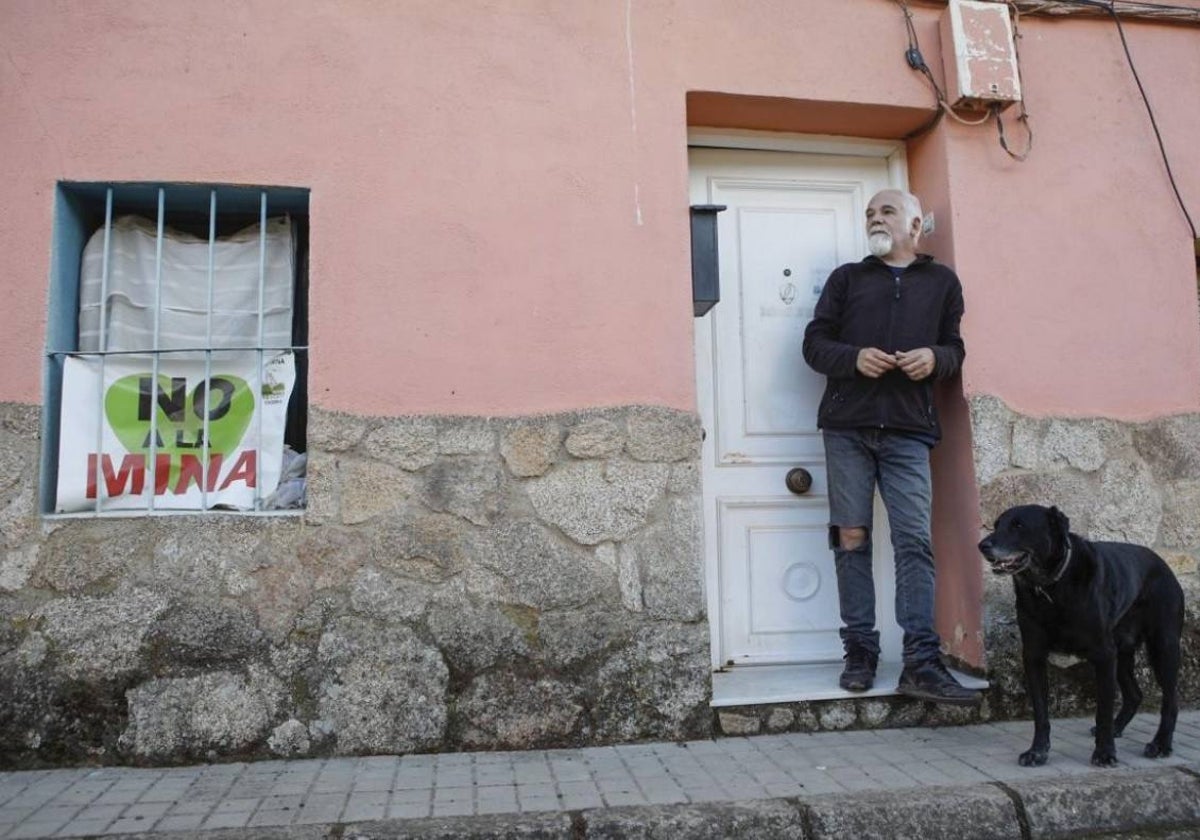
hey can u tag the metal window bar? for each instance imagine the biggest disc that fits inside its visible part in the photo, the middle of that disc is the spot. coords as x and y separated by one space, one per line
102 343
156 352
259 399
208 340
158 246
166 351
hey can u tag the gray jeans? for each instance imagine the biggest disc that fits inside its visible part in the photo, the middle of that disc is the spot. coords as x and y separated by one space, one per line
857 460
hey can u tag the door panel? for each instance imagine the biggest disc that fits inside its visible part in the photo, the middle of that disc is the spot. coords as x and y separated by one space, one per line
791 219
775 313
786 599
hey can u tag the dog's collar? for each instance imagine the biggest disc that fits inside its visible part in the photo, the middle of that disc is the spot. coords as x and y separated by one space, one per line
1062 569
1066 562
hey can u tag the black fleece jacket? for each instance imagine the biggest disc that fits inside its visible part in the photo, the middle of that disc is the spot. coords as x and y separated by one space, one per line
864 305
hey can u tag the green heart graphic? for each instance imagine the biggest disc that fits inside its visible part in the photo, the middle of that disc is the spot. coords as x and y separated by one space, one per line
180 410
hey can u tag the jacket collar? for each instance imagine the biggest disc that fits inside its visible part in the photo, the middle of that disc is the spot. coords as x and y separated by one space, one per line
921 259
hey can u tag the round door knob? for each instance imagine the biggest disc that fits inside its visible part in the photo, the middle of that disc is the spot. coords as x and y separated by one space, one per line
799 480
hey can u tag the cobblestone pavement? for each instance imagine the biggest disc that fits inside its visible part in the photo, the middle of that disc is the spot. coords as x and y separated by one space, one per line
118 800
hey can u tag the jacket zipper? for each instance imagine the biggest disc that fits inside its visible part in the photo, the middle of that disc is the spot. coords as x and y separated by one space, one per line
891 338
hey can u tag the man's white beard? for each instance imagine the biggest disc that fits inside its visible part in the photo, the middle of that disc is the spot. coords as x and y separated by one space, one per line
880 243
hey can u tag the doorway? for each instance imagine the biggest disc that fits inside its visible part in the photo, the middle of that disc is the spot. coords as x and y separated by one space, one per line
792 217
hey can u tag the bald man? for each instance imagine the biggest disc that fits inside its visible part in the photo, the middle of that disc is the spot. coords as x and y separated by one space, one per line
884 329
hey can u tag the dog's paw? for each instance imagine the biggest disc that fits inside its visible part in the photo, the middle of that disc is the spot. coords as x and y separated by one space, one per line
1156 750
1032 758
1105 757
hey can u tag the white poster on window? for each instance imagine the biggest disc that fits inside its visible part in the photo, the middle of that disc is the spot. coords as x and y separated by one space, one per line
196 440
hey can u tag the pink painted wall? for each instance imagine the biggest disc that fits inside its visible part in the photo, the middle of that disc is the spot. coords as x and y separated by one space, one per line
499 187
490 235
1078 264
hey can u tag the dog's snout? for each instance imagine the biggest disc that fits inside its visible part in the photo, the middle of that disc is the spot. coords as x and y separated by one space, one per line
985 545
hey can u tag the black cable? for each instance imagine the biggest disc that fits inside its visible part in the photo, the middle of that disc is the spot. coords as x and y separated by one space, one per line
1154 123
1111 9
1167 6
1023 116
917 62
929 126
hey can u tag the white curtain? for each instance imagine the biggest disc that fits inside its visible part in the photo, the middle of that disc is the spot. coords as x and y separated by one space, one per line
184 301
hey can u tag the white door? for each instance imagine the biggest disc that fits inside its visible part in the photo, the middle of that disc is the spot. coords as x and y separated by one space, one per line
791 219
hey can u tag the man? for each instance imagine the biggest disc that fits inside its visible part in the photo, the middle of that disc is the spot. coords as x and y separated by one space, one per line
884 329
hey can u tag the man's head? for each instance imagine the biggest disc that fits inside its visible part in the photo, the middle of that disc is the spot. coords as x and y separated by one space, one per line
894 225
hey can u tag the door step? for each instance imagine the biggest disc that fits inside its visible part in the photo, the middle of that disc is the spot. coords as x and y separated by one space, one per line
752 685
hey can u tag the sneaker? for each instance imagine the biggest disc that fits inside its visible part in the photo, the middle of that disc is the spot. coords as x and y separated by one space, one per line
932 681
859 673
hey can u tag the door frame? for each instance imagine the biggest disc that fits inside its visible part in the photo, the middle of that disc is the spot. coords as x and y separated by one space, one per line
894 152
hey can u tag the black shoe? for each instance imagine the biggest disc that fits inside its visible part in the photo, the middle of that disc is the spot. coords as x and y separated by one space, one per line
931 681
859 673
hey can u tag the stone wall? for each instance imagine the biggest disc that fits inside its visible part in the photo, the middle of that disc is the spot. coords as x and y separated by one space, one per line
455 583
1130 482
471 583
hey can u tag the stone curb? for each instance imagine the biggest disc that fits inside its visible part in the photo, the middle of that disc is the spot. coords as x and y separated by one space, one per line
1118 801
1111 802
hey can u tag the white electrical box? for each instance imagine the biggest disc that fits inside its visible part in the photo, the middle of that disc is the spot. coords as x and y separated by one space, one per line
979 55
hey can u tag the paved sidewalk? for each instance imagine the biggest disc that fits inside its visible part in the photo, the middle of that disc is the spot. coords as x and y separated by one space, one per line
323 792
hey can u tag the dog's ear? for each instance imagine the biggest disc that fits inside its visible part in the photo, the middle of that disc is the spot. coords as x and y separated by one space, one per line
1059 522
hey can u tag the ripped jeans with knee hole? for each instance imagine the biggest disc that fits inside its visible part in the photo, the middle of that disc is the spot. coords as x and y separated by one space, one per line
858 460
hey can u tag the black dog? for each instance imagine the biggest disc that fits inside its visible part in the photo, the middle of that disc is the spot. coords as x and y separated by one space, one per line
1096 600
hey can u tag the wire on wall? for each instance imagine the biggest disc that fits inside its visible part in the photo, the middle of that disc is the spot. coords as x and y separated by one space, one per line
1110 7
913 56
916 60
1023 115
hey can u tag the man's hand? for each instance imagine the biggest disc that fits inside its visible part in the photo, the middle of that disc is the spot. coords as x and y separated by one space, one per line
916 364
874 363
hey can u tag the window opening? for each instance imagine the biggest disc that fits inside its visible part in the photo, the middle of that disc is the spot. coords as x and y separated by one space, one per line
176 373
